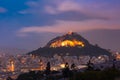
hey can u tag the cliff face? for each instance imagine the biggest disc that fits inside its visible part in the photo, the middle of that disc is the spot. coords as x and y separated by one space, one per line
70 44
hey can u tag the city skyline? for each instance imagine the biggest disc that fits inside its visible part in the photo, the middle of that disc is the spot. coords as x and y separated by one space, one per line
30 24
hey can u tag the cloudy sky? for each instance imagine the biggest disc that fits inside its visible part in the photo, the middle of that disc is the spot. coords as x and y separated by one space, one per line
30 24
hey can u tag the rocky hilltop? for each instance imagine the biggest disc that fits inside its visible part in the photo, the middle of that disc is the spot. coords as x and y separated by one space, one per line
70 44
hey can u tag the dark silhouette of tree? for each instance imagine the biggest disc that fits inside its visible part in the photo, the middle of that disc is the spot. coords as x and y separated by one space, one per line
9 78
114 64
66 65
66 71
90 65
48 66
73 66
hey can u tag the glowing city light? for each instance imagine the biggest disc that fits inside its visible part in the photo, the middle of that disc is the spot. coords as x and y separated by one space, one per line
62 65
67 43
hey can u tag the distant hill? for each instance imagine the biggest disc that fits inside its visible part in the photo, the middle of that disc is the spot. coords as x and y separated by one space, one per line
70 44
11 51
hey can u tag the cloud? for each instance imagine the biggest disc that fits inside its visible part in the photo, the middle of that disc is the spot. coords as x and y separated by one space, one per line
69 6
67 10
33 4
3 10
34 7
61 9
98 9
65 26
77 16
50 10
61 15
64 6
23 12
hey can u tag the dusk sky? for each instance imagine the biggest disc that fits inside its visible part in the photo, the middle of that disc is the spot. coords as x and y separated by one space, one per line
30 24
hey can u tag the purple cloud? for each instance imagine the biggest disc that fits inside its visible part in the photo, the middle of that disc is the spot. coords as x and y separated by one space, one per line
3 10
65 26
94 10
68 13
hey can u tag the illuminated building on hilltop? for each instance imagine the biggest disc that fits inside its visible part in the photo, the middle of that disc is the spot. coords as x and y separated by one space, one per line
70 39
67 43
